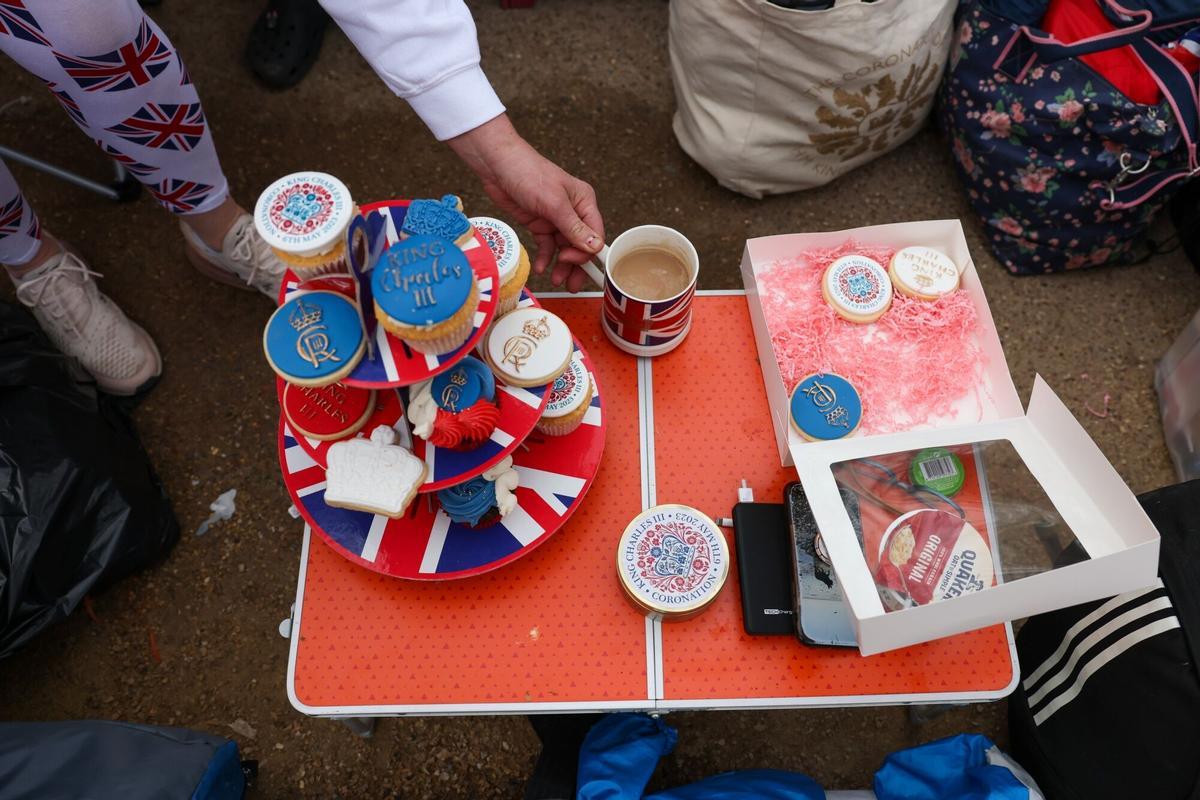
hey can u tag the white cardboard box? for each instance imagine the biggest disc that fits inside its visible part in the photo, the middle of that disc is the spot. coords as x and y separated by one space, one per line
997 396
1089 495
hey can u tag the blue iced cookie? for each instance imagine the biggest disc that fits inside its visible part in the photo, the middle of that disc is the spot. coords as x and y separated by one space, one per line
825 407
421 280
462 386
314 339
443 218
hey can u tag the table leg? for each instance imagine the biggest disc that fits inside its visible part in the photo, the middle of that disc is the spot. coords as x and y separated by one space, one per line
919 714
363 727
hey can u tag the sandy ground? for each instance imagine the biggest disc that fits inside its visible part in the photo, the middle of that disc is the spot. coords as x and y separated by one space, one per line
588 84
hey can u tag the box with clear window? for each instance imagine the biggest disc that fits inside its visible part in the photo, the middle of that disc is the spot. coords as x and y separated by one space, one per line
968 526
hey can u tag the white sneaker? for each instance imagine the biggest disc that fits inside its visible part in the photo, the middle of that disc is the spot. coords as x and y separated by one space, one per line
245 260
84 323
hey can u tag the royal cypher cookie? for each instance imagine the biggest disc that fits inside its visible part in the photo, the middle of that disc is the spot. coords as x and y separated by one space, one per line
825 406
923 273
314 339
857 288
327 413
529 347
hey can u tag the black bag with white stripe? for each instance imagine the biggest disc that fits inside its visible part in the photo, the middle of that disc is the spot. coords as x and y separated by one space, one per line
1109 701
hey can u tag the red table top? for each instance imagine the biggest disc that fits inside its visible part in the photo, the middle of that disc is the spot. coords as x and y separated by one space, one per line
553 630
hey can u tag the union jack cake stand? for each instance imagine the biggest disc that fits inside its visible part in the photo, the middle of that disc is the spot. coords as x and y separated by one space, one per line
554 472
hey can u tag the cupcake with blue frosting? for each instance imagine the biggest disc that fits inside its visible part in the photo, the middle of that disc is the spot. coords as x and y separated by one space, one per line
425 294
483 500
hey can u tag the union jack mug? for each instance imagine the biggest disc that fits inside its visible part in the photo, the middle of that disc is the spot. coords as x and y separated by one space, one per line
638 326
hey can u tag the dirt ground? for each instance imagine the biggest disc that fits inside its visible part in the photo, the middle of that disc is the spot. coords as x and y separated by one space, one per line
588 84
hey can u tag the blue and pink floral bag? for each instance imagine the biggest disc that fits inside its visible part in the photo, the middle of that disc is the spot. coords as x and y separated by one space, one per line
1064 169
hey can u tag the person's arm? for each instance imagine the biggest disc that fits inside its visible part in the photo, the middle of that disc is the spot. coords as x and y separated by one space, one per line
427 53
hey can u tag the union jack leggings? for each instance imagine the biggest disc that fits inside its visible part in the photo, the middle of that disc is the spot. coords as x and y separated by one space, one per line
119 78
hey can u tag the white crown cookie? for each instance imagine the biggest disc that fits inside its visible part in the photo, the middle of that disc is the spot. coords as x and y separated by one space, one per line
375 475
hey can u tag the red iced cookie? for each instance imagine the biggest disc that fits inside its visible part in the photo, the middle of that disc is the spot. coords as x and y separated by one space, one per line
327 412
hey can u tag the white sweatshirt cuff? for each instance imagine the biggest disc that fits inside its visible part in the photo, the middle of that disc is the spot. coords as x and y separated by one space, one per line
457 104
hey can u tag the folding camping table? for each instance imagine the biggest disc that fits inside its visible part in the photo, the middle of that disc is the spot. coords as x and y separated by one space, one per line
552 632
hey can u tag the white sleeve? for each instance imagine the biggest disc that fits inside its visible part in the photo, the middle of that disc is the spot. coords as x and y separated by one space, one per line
427 53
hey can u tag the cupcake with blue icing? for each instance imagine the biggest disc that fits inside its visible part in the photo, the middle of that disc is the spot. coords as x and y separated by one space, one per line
481 501
456 410
425 294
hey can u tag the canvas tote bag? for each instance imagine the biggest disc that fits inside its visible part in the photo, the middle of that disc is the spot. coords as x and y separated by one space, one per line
772 100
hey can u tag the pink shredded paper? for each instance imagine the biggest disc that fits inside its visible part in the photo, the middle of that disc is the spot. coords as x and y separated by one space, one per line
915 364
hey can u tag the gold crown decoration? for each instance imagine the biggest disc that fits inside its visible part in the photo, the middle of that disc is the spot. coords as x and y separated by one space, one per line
303 316
537 330
458 378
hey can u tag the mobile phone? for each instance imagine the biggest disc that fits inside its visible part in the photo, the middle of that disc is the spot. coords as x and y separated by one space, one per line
764 568
821 613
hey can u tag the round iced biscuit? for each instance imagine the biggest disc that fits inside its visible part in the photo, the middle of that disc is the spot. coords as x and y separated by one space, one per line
304 214
569 391
422 281
327 413
314 339
825 406
858 288
673 561
502 241
923 273
529 347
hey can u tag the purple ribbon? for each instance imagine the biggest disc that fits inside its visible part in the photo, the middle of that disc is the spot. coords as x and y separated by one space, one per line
366 239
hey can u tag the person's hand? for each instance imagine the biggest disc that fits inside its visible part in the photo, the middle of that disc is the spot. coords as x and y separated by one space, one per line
557 208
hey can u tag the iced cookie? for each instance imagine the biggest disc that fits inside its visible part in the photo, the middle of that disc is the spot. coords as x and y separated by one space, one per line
441 218
304 217
570 398
923 273
511 259
375 475
825 406
457 409
672 561
425 294
327 413
857 288
529 347
314 339
929 555
479 502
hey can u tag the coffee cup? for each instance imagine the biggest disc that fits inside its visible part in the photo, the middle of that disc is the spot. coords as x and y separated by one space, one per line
649 279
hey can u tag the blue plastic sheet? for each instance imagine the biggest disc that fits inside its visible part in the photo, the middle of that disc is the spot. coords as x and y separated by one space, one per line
956 768
621 752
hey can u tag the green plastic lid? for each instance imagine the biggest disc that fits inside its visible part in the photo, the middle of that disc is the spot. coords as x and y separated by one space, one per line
939 469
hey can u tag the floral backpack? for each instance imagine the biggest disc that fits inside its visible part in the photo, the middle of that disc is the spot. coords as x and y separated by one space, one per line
1065 170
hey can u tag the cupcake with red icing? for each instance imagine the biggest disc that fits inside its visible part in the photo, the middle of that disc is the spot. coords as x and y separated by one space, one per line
456 410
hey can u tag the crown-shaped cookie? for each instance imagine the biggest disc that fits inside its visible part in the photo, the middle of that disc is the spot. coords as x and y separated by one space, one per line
442 218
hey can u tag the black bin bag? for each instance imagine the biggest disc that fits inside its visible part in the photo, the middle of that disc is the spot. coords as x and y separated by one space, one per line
80 505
